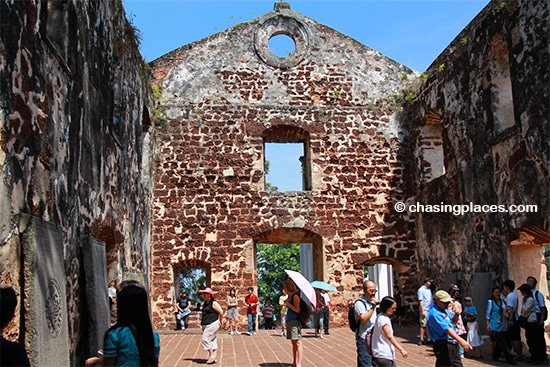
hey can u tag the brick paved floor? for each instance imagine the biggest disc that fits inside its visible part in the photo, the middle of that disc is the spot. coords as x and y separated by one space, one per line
268 349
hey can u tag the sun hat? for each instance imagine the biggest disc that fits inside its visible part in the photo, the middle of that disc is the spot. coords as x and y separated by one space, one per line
208 291
442 296
468 298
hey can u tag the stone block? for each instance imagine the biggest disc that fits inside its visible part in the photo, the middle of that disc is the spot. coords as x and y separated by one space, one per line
95 273
45 305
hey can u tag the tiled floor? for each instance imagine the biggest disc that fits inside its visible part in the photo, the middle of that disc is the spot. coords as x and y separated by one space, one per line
268 349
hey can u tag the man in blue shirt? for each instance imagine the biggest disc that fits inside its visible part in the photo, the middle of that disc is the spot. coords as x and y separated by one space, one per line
443 333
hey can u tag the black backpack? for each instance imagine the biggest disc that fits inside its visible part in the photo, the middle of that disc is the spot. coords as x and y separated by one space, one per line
304 314
353 322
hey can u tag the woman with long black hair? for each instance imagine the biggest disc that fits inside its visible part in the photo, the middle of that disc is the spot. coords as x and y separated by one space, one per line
131 341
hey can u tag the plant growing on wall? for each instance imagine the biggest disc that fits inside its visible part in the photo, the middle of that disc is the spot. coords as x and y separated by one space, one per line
268 185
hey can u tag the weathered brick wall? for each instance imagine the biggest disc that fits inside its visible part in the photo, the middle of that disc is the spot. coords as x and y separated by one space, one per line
487 98
220 97
75 150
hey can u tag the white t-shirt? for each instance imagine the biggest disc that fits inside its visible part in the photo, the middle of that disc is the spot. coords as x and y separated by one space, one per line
326 297
381 346
424 294
512 301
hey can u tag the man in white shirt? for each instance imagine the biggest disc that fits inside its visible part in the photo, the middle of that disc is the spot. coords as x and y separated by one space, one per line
425 302
540 305
365 313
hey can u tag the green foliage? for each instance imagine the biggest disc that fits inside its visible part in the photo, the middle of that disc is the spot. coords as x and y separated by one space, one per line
501 6
424 75
191 280
132 33
268 186
410 96
235 22
146 72
464 41
272 262
441 67
156 93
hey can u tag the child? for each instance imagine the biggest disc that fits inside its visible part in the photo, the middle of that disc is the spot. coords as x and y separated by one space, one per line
268 314
469 307
474 336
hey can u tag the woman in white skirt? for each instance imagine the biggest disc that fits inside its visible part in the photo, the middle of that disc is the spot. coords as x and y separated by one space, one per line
211 321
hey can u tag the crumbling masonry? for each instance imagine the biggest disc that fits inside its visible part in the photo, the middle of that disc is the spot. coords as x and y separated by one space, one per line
99 182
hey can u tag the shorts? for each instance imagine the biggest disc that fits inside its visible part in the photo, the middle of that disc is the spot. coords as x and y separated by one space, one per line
232 313
514 332
293 330
423 321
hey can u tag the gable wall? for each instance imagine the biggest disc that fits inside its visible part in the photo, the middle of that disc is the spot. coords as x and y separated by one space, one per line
210 202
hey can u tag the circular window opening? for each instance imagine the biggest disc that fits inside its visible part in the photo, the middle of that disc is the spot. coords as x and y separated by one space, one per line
282 45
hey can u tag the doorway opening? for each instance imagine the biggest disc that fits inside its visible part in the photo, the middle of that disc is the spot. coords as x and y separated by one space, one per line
285 249
383 275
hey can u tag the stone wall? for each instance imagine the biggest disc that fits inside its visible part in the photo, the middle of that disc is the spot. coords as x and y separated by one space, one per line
221 99
75 157
484 106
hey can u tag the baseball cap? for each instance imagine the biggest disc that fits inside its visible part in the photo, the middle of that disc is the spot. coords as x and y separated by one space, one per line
442 296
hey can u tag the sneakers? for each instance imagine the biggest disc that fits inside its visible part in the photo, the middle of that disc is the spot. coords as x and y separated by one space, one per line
231 333
282 334
237 333
254 333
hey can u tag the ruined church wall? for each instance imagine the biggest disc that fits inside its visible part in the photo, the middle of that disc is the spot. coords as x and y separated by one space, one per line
482 133
75 165
210 204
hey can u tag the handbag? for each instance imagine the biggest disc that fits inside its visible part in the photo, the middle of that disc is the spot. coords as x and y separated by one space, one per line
522 321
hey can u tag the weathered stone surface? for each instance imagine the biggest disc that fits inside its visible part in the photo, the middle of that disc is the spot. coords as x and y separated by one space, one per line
77 153
486 100
335 94
75 148
47 334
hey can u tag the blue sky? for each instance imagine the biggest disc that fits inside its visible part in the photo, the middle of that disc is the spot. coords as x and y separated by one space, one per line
411 32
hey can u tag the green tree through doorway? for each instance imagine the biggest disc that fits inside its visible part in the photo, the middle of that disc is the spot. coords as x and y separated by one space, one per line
272 262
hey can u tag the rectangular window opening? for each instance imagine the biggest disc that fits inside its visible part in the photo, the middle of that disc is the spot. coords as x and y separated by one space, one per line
285 167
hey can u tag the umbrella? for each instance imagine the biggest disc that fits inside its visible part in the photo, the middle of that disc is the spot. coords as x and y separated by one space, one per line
303 284
323 285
